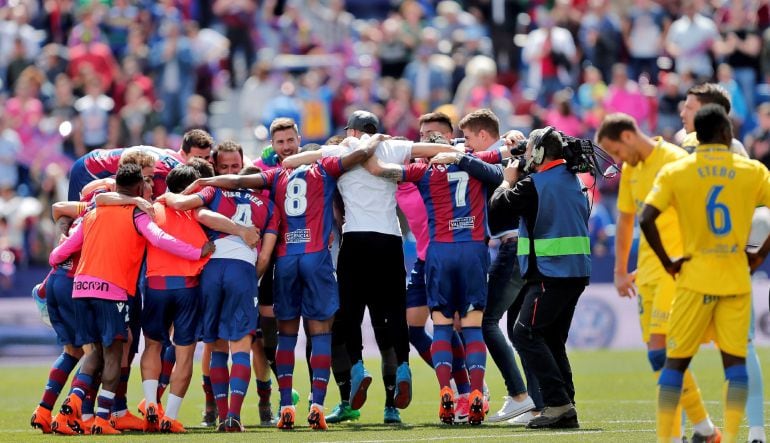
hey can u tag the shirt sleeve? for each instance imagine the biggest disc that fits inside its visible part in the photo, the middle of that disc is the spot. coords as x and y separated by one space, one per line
625 200
493 156
516 200
333 166
71 245
480 170
414 172
273 220
207 194
269 177
160 239
661 195
395 151
764 189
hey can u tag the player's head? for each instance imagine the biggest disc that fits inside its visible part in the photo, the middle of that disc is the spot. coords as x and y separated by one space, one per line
197 143
700 95
481 129
249 170
228 158
619 135
435 122
284 137
362 122
129 180
543 146
204 168
146 161
713 125
181 177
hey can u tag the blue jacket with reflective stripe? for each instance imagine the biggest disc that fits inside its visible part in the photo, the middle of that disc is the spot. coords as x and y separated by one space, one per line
559 238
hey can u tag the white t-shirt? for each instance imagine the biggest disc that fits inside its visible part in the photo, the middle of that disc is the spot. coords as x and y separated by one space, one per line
370 202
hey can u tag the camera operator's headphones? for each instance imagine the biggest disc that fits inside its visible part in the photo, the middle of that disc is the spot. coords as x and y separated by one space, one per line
538 150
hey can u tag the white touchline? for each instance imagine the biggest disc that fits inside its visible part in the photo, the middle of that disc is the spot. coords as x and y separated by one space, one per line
513 436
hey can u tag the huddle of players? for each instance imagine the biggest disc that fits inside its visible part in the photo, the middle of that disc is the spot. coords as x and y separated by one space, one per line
695 211
208 290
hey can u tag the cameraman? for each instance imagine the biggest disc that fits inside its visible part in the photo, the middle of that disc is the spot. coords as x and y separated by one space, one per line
555 258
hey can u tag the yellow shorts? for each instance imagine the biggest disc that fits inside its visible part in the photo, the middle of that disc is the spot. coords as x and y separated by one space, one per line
695 316
654 306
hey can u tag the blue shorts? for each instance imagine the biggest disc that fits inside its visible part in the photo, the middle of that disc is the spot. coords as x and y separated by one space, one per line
228 300
61 308
456 277
305 285
101 321
416 293
166 307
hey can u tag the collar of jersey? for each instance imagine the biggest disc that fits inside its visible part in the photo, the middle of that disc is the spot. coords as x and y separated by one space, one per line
712 147
552 164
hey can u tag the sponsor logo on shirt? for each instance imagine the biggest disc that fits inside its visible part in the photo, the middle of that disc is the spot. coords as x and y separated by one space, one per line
462 223
298 236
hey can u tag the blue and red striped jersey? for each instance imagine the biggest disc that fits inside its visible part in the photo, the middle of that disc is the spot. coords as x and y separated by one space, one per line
304 197
103 163
242 206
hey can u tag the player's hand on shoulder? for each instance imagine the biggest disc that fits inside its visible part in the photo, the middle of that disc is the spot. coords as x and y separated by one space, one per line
624 283
194 187
208 249
146 207
444 158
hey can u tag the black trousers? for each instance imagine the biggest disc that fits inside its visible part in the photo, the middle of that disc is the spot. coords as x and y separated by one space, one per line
370 273
540 335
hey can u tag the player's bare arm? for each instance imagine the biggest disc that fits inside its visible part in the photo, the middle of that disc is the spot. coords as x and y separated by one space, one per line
647 223
263 260
228 181
388 171
426 150
218 222
624 281
301 158
67 209
180 202
115 199
361 155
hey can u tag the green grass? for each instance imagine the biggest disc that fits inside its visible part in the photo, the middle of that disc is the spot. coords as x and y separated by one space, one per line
615 401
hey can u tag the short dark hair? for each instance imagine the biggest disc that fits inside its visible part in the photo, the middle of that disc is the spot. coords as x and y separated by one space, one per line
614 124
481 119
129 174
196 138
437 117
712 125
181 177
204 168
282 124
227 146
249 170
711 93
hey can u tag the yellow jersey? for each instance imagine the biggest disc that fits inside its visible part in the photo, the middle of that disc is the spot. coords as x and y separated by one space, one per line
635 184
690 142
714 193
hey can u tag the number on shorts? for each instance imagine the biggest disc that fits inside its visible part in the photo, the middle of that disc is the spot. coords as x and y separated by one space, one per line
296 203
462 184
242 215
718 214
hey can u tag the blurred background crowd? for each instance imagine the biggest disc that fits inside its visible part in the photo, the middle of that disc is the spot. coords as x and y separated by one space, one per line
77 75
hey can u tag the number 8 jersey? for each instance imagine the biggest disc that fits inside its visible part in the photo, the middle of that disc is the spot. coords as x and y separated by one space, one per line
714 193
305 199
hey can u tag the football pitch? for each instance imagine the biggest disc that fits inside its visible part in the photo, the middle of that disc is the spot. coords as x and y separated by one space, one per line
615 402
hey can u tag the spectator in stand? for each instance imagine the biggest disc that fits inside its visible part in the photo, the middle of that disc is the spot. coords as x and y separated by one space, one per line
10 146
118 23
394 49
92 125
644 32
132 74
561 116
135 117
740 47
92 57
670 97
14 23
58 20
430 84
259 88
316 97
413 14
62 109
285 104
25 111
402 118
624 95
88 27
489 94
690 39
451 19
332 24
137 47
758 141
18 63
590 97
53 62
600 36
739 111
196 115
174 64
550 52
238 17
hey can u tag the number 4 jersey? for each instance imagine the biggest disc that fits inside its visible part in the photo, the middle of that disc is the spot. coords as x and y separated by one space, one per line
246 208
714 193
305 199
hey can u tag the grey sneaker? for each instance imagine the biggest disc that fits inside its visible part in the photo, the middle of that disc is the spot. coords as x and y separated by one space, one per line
555 417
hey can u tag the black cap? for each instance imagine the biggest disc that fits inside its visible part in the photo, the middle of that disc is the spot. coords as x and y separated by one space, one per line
363 121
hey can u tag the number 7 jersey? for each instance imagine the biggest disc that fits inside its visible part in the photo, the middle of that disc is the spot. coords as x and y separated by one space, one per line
305 199
714 193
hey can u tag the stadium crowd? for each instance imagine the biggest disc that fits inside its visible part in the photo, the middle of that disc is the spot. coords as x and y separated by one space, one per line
80 79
